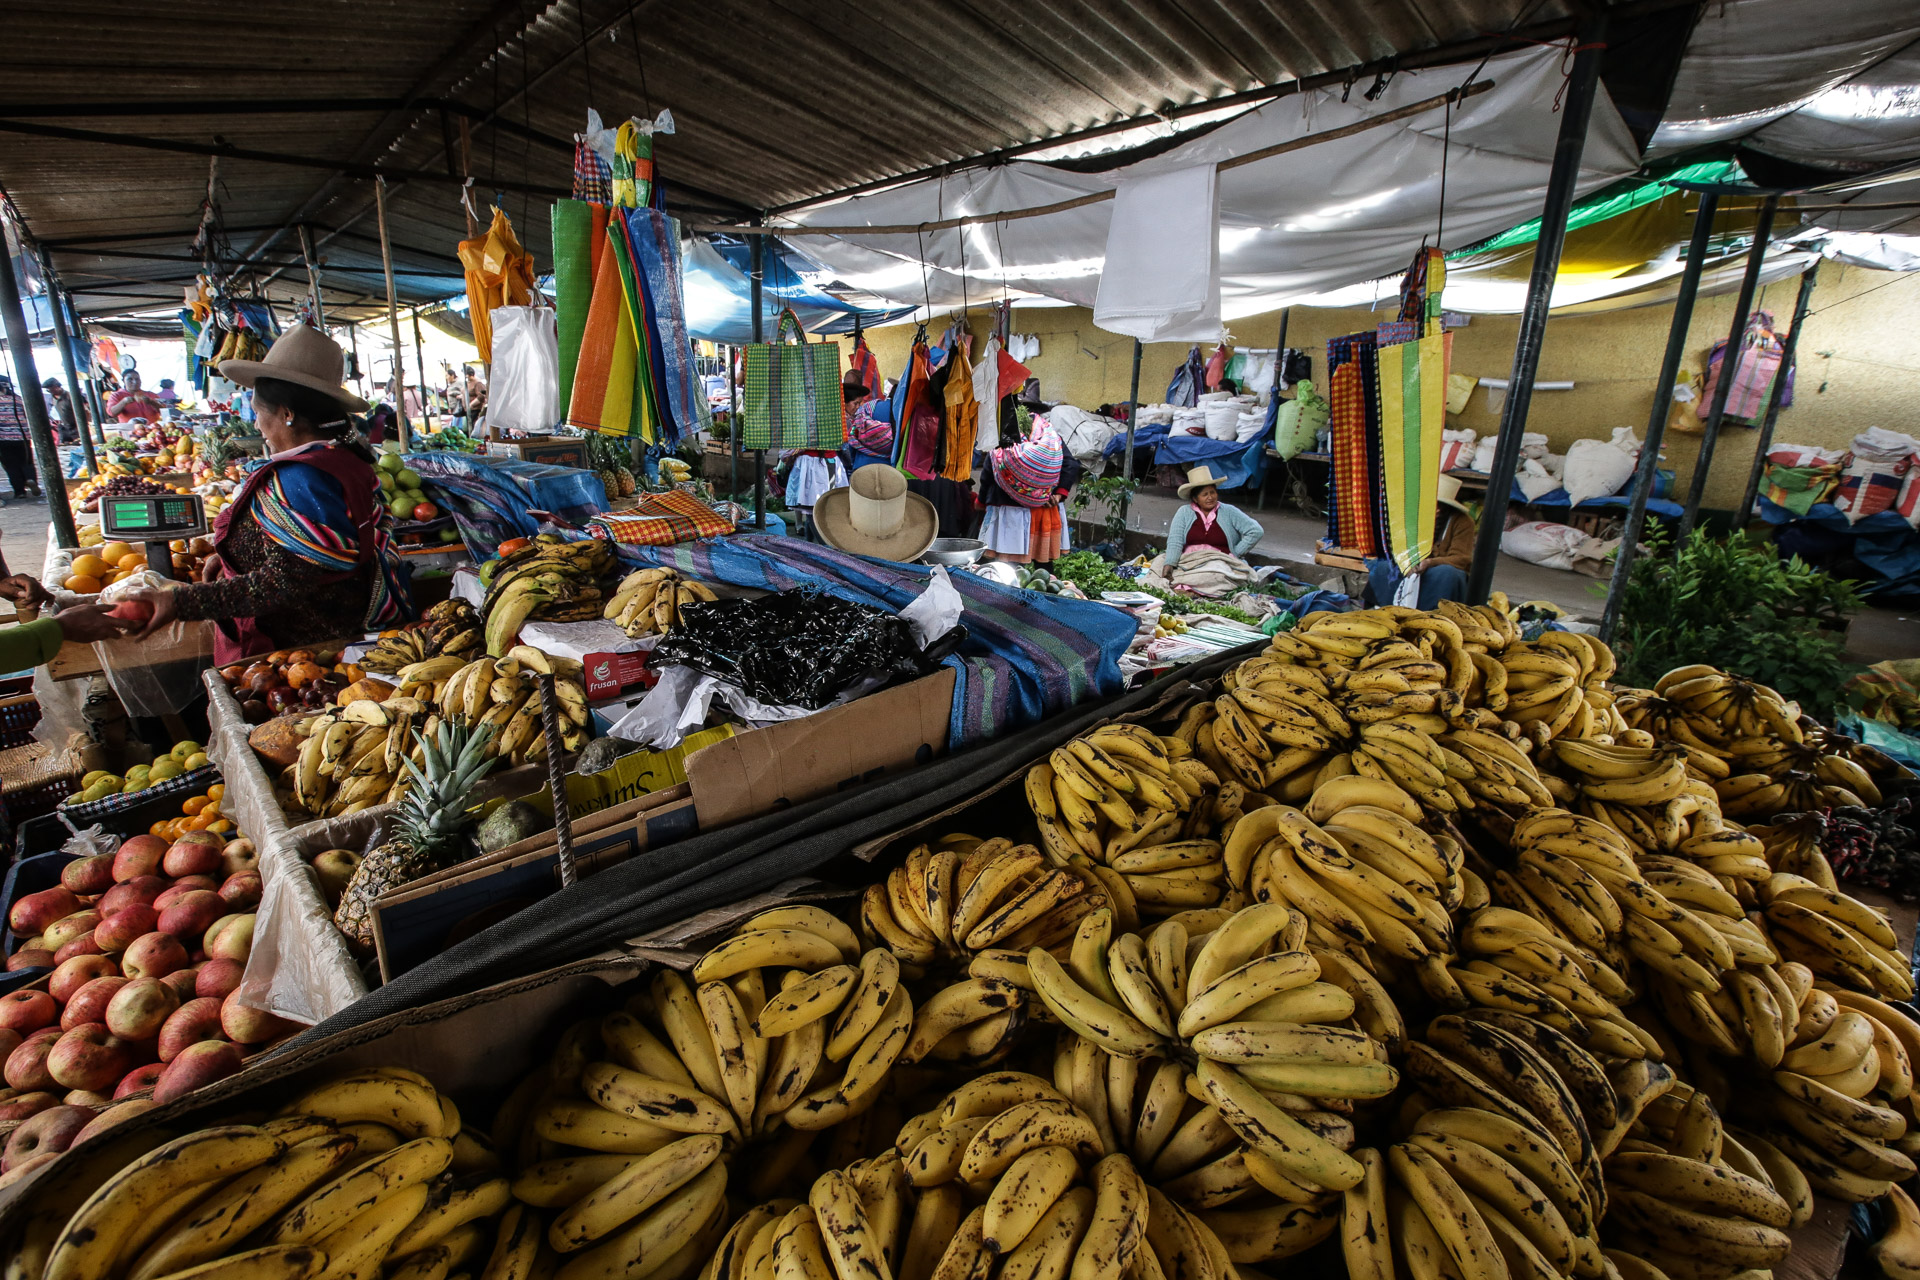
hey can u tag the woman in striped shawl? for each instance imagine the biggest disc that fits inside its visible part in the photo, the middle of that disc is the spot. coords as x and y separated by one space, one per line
303 553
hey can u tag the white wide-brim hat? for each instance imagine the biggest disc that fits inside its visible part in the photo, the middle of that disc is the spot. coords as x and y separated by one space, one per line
874 515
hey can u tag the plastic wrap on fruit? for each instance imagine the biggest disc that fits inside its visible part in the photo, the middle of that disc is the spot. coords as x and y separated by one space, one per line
798 648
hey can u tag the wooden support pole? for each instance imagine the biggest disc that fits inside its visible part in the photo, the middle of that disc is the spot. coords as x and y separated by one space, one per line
20 347
393 318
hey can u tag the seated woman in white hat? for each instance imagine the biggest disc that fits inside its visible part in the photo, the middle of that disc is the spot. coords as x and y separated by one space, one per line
1443 574
1208 522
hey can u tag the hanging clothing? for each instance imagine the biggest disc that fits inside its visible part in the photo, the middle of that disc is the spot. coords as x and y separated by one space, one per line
986 397
962 426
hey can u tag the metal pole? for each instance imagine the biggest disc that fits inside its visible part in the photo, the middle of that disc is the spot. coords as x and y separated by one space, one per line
20 347
1729 363
93 384
758 265
1774 395
1657 418
420 363
393 316
313 279
66 360
1572 140
1133 409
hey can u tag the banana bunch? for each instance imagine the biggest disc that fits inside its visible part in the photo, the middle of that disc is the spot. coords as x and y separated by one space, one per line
369 1169
1553 687
1122 800
354 758
1520 966
1837 936
504 693
968 897
648 601
805 1025
1503 771
558 581
1687 1198
1793 845
451 627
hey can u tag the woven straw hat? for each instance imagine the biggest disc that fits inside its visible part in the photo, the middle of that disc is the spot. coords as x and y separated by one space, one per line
1198 478
305 357
874 515
1449 495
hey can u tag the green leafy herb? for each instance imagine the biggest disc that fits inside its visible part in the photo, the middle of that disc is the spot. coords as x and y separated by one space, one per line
1734 603
1093 575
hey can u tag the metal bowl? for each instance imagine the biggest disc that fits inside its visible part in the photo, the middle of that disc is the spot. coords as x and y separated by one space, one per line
954 551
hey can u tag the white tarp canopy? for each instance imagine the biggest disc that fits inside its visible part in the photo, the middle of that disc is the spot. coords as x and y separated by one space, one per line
1332 214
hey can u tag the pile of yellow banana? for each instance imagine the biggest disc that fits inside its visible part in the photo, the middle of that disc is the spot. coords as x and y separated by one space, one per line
354 758
558 581
648 601
374 1169
451 627
969 896
1765 759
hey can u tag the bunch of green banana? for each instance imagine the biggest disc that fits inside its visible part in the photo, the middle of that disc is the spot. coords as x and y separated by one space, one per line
558 581
1837 936
648 601
805 1024
968 896
451 627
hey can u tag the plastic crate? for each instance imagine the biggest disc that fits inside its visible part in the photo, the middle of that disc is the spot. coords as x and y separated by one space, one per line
29 875
19 711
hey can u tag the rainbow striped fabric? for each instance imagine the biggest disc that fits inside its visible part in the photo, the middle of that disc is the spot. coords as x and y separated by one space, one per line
304 510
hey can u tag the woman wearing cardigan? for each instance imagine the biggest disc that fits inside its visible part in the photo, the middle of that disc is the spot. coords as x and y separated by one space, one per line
1208 522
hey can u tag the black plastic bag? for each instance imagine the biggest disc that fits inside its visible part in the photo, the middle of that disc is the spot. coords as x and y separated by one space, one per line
800 648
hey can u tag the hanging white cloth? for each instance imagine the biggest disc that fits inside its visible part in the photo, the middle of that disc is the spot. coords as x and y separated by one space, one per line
986 390
1161 280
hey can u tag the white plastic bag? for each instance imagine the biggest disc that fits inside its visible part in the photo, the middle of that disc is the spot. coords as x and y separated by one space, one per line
524 394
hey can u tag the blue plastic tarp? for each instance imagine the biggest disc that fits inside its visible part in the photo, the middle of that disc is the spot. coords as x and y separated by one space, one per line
1884 542
1027 655
1558 498
720 296
1238 464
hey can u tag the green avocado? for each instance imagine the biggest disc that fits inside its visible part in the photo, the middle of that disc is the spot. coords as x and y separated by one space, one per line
511 823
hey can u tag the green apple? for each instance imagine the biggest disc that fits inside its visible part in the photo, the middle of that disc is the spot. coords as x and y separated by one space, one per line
408 479
449 535
402 508
387 481
390 461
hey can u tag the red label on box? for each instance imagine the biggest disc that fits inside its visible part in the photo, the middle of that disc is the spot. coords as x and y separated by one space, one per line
611 673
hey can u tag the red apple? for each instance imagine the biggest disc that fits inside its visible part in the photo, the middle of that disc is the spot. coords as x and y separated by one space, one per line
36 911
140 1008
117 931
139 856
155 955
89 875
195 853
241 891
190 914
9 1041
181 888
89 1003
247 1025
30 958
183 982
49 1133
144 889
218 977
26 1067
139 1079
119 1113
86 1098
51 1031
27 1168
67 928
425 511
90 1057
22 1105
28 1010
78 972
84 945
230 937
239 855
195 1067
192 1022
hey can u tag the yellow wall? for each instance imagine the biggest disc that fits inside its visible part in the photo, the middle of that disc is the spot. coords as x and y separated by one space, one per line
1859 364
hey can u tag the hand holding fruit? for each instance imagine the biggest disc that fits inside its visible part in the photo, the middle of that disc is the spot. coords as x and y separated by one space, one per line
161 602
87 623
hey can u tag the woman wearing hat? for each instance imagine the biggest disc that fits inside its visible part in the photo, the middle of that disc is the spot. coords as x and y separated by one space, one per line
1443 574
1208 522
1021 487
302 552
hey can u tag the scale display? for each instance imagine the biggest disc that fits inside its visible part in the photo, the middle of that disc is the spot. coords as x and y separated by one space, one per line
152 517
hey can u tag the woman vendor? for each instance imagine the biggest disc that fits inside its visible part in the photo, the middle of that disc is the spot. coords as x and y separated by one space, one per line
1208 522
302 553
869 424
1022 486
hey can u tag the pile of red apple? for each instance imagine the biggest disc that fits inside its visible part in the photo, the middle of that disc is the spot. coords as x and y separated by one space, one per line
148 945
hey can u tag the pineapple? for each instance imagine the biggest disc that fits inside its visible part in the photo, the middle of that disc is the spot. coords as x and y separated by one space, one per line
628 485
428 833
610 482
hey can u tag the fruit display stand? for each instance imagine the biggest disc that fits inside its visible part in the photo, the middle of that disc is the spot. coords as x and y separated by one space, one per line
300 967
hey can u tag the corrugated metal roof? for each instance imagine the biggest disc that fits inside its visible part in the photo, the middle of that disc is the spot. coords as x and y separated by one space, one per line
776 101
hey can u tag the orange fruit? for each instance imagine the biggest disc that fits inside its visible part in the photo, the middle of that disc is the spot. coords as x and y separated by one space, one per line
158 828
114 552
193 804
132 562
217 791
92 566
82 584
197 823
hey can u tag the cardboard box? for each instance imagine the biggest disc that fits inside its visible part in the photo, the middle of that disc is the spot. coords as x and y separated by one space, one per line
424 917
786 764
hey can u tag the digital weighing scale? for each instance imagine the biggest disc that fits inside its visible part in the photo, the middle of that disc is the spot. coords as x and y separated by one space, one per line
154 519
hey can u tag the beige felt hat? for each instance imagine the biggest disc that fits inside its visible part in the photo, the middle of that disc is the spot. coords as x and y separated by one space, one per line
303 356
1449 494
874 515
1198 478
